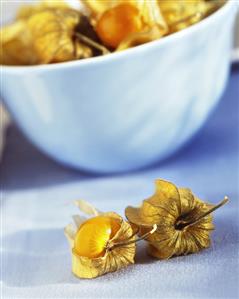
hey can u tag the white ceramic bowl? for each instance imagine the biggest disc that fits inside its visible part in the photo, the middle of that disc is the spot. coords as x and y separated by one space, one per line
125 110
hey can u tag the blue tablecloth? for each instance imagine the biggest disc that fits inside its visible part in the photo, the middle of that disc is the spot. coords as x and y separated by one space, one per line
37 196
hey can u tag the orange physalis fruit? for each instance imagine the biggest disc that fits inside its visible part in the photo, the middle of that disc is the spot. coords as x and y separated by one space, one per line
117 23
92 237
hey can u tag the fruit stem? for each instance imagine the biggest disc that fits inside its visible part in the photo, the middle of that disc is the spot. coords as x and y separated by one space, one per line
137 240
223 202
92 43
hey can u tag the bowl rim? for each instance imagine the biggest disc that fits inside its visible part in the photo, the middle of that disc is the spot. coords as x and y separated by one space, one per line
93 61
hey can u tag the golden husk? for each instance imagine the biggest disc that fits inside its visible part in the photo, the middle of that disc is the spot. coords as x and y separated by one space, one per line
175 211
140 38
181 14
115 257
53 32
97 7
16 45
27 10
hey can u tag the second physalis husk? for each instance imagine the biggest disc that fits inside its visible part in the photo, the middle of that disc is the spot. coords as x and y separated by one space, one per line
100 244
184 222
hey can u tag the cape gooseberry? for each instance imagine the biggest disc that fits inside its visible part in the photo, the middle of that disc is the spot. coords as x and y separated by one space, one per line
93 235
117 23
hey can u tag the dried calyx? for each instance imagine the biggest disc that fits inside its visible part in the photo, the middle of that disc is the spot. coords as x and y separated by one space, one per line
184 222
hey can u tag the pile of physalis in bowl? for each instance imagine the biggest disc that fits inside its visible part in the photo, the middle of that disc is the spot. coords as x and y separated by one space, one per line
54 31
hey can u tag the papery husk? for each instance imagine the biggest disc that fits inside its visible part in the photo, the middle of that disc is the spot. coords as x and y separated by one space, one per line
140 38
175 211
87 208
25 11
151 13
184 13
150 10
16 45
53 33
96 7
115 256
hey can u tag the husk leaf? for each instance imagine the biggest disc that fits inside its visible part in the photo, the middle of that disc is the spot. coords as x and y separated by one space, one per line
87 208
181 14
140 38
27 10
53 32
97 7
16 45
